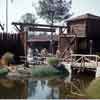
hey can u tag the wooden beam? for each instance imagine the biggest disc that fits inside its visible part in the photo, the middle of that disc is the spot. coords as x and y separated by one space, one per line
18 28
38 25
67 36
42 29
77 55
2 27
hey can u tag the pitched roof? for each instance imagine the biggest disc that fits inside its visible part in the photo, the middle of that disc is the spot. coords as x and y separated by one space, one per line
85 16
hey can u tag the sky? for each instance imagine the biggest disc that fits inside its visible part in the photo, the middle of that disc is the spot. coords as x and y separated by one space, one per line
20 7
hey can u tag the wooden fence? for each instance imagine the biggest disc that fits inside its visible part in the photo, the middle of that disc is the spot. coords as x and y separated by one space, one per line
11 43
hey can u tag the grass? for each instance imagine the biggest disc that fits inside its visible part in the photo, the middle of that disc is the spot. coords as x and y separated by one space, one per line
93 91
53 61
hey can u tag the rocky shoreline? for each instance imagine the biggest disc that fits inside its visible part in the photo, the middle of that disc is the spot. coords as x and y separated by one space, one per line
22 72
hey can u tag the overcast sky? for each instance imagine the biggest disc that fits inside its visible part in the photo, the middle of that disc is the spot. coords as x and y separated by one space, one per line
20 7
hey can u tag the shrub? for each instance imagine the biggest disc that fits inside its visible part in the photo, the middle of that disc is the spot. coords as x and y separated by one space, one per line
7 58
3 71
44 71
53 61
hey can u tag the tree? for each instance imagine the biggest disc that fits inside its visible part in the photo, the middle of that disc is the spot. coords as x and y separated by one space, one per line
28 18
54 10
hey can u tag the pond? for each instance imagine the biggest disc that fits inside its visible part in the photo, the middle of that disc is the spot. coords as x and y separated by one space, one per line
45 88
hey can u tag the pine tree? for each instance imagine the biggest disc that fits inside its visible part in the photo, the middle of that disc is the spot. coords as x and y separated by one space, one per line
54 10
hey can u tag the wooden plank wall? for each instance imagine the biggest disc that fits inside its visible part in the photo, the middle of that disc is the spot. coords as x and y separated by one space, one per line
11 43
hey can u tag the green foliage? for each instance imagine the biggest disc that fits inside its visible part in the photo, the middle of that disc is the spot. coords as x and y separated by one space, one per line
28 18
7 58
44 71
3 71
54 9
93 91
53 61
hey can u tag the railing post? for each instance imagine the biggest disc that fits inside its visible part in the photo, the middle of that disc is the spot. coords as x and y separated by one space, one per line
84 61
71 59
96 60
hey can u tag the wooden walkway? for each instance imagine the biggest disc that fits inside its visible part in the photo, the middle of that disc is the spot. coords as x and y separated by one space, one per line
85 61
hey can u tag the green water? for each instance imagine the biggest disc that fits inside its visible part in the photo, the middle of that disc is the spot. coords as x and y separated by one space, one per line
48 88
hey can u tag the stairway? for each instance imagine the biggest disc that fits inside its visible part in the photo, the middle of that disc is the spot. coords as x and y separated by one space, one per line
68 50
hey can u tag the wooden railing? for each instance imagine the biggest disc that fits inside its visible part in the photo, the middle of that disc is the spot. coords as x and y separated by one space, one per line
82 60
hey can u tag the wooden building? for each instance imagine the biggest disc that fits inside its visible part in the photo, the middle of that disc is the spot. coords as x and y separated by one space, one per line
43 41
40 42
82 36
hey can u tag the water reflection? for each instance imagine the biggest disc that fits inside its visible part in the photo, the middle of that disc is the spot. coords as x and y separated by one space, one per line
13 89
51 88
59 88
38 89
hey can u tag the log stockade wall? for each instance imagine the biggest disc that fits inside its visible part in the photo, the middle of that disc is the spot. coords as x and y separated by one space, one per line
11 43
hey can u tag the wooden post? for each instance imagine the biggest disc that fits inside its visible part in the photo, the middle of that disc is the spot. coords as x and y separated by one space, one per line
25 48
83 61
71 59
96 61
91 43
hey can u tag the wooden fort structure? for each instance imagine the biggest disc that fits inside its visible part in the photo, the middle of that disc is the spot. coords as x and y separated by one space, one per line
24 28
18 43
82 36
49 41
43 41
11 43
80 43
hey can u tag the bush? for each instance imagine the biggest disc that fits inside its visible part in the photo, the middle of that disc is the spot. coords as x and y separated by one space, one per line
45 71
7 58
3 71
53 61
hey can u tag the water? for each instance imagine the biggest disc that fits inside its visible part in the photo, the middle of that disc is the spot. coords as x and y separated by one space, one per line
49 88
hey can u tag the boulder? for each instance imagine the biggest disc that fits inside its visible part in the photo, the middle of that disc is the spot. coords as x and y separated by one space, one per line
61 68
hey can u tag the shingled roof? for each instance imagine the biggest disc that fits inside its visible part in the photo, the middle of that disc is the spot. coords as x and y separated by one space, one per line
85 16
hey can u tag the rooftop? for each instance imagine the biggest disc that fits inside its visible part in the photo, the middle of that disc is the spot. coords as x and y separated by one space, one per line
85 16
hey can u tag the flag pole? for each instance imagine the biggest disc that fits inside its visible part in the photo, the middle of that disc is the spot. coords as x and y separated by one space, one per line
6 16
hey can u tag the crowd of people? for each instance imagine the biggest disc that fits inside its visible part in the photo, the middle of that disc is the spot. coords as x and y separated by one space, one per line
43 53
37 56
